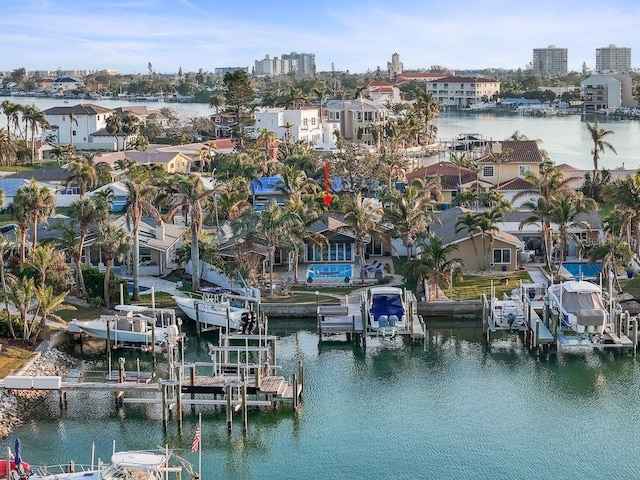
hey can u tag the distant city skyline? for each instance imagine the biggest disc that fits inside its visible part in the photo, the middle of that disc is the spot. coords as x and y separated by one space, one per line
359 35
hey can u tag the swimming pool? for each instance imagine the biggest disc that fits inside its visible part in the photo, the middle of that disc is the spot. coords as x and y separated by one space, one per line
583 269
334 271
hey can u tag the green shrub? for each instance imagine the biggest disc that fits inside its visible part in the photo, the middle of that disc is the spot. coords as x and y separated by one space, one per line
94 283
4 325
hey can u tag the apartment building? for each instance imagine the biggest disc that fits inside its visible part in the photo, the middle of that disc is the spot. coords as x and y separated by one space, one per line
613 59
299 63
601 92
461 92
355 119
291 125
550 61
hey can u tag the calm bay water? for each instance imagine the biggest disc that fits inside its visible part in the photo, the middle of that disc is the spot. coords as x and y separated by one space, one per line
565 138
454 409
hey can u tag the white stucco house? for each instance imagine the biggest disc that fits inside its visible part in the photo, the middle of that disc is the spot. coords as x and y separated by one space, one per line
305 124
77 125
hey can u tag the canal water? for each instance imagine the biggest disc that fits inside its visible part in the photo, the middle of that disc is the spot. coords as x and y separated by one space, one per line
449 409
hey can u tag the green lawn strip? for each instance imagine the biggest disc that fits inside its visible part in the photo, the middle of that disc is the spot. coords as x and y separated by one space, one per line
11 358
471 287
82 313
631 286
162 300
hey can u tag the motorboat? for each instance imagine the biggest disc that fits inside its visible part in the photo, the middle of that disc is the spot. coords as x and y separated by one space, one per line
218 308
581 306
386 310
126 465
508 312
131 326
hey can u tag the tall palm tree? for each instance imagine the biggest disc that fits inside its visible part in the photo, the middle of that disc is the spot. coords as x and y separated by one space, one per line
140 201
6 247
600 145
36 204
615 255
35 119
487 224
362 220
540 212
12 112
625 193
7 149
21 292
216 101
86 212
130 126
115 244
274 225
566 215
469 222
434 264
190 196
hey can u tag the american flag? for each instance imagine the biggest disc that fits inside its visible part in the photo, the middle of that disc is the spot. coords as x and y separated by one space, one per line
195 446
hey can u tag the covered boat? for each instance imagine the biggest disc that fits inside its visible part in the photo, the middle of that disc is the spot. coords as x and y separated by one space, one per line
580 305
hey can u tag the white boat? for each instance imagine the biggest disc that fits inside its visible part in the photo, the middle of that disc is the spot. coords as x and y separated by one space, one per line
127 465
133 327
386 309
217 309
507 313
580 305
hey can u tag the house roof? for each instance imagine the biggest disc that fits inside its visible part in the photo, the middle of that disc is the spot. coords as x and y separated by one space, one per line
519 151
147 233
448 172
266 185
151 157
139 110
10 186
519 184
456 79
51 173
80 109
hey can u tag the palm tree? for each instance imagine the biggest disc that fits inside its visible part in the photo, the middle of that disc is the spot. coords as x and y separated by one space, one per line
232 200
615 255
362 219
86 212
140 201
6 247
190 196
7 149
12 112
216 101
83 173
35 119
130 126
409 212
113 127
566 215
34 203
42 257
600 145
265 139
48 306
274 225
21 292
469 222
540 213
115 244
487 224
625 193
434 264
73 118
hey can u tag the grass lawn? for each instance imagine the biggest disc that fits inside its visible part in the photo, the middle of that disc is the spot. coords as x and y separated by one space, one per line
82 313
631 286
162 299
25 168
471 287
11 358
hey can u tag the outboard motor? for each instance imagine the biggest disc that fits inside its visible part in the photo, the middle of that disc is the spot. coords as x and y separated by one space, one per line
245 321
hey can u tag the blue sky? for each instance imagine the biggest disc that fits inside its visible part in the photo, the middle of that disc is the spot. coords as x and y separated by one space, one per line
355 35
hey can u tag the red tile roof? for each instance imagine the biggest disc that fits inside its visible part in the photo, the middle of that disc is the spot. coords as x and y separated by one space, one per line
520 151
519 184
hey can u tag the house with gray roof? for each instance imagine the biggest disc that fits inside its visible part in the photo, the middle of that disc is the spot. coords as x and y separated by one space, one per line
75 125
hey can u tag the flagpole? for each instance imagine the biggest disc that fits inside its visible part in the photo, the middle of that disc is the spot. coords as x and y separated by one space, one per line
200 447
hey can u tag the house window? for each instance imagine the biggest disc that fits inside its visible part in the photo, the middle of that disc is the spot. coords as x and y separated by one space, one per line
305 122
313 121
488 171
524 170
73 132
501 255
368 116
145 255
359 116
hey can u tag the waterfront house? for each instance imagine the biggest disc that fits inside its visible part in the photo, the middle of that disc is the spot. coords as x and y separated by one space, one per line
302 124
158 244
498 251
354 119
503 161
78 124
603 92
382 92
55 178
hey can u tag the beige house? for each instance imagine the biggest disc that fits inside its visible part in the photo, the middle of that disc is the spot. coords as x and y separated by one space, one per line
461 92
171 162
509 159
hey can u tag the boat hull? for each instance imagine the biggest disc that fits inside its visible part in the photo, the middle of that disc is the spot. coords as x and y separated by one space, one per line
211 314
98 329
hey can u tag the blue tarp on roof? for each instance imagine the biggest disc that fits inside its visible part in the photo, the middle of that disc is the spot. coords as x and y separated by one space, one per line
10 186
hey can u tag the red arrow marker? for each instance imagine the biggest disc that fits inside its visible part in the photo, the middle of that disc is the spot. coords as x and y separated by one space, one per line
327 196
